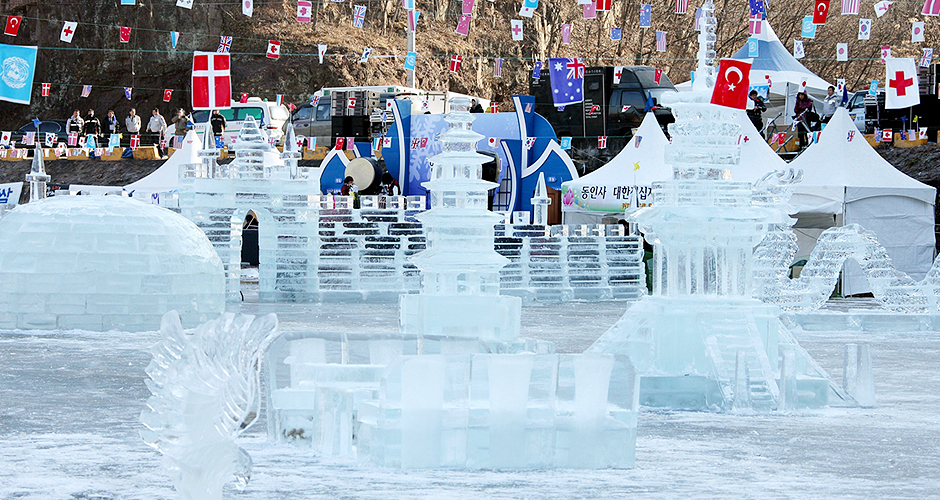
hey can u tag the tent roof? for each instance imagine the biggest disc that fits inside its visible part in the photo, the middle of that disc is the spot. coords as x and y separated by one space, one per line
775 61
167 177
757 157
835 165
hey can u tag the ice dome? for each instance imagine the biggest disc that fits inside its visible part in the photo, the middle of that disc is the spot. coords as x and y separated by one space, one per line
104 262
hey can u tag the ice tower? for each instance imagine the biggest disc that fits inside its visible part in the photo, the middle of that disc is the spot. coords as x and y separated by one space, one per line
701 341
37 176
460 284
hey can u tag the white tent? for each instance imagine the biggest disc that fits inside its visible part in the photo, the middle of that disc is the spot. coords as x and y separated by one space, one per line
622 183
166 178
845 181
757 157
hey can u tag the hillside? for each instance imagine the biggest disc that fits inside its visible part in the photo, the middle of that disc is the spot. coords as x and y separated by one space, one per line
149 64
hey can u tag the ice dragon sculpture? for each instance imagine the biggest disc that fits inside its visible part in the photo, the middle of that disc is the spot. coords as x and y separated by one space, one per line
205 393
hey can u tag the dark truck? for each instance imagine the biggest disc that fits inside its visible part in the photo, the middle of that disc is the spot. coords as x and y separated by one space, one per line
609 109
925 114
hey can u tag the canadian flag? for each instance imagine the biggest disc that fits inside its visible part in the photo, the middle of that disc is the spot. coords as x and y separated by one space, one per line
887 135
602 142
274 49
732 85
211 80
351 103
820 11
135 142
901 88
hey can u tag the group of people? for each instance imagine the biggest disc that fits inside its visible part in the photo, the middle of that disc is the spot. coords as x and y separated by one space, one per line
388 187
805 118
91 126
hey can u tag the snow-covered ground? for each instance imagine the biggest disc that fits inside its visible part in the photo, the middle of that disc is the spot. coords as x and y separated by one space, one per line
70 402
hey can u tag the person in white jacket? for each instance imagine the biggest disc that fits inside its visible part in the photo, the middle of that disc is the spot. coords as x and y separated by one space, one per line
157 126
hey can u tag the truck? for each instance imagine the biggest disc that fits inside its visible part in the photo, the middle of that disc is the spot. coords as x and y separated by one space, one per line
925 114
609 109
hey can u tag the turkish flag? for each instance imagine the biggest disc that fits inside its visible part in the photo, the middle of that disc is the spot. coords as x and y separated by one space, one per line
901 83
13 25
732 85
212 81
125 34
820 11
167 95
244 98
339 143
657 75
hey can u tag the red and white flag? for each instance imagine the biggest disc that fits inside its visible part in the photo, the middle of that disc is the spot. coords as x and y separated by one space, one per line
820 11
565 33
274 49
661 41
5 138
68 31
917 31
731 86
45 89
682 6
167 95
850 7
350 143
602 142
455 61
516 29
339 143
351 103
73 139
901 83
303 11
657 75
243 98
755 23
13 25
494 107
887 135
602 5
931 8
881 8
125 34
211 81
135 142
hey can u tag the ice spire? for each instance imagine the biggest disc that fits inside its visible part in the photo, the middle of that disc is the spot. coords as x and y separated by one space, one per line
705 69
290 154
37 176
209 153
540 202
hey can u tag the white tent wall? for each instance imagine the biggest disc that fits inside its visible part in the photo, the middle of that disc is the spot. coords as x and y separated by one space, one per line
166 177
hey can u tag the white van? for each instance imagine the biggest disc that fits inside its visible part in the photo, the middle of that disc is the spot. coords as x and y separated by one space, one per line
267 114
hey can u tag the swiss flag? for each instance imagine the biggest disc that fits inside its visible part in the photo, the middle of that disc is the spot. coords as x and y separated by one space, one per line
167 95
901 89
274 49
13 25
212 81
820 11
732 85
125 34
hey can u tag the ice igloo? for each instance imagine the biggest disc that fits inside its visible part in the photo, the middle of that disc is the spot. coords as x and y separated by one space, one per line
104 262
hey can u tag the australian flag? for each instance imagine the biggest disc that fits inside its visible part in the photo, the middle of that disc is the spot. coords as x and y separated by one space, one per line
757 7
537 70
567 78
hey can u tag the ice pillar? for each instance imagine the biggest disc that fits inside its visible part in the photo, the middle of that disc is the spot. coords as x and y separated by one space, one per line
540 202
37 176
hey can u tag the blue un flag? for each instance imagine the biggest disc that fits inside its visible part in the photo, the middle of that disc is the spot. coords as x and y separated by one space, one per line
567 77
18 65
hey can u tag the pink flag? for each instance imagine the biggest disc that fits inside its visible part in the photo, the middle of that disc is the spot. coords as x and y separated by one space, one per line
463 26
565 33
467 7
413 19
303 11
931 8
590 10
682 6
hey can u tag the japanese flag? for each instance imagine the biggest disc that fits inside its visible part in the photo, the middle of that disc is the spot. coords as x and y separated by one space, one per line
901 89
5 138
731 86
68 31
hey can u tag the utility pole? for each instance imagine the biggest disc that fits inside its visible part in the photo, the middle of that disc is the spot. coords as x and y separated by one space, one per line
411 46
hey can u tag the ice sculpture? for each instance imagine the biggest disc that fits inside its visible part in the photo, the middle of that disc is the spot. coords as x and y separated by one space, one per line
104 262
37 177
460 282
205 393
701 336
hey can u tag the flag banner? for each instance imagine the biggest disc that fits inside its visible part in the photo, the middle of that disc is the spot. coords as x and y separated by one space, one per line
885 53
590 11
279 99
661 41
339 143
248 7
72 139
850 7
657 77
565 143
186 4
408 4
50 139
114 141
798 52
125 34
455 61
881 8
45 89
527 10
29 138
756 6
127 92
321 50
311 143
731 86
274 49
493 142
467 7
567 80
537 70
350 143
359 15
753 48
887 135
5 138
682 6
842 52
917 31
413 19
128 2
225 44
243 98
602 5
618 72
494 107
646 15
901 88
616 34
68 31
565 34
366 52
808 28
864 29
498 68
698 20
135 142
840 85
211 81
820 11
873 87
922 133
86 90
411 61
13 25
303 11
463 26
755 24
762 90
931 8
167 95
925 59
602 142
174 38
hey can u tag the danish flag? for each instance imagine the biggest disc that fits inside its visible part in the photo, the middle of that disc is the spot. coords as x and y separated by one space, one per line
455 61
602 142
45 89
211 80
135 142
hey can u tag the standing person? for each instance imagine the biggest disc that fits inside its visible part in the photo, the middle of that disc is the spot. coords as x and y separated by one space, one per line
389 186
218 125
132 123
829 104
181 123
157 126
801 117
475 106
92 129
73 124
755 113
112 122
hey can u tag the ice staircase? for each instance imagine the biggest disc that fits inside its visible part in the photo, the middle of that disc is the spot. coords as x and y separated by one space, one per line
724 338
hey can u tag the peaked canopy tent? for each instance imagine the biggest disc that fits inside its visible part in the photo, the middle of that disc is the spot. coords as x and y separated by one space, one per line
623 183
845 181
166 178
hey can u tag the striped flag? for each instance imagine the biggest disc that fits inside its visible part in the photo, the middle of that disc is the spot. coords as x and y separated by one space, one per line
498 68
682 6
849 7
661 41
86 90
279 99
931 8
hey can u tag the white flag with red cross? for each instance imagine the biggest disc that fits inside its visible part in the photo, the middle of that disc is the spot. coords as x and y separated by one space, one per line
901 89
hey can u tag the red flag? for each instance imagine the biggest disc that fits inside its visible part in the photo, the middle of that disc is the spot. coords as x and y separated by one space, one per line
602 142
274 49
339 143
125 34
820 11
455 61
45 89
167 94
135 142
732 85
600 5
244 98
211 80
657 75
13 25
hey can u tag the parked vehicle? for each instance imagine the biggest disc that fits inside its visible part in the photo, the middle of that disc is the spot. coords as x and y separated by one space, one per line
54 126
925 114
856 109
609 109
270 117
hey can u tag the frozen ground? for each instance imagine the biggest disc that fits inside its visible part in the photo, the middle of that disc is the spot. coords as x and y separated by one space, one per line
69 404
